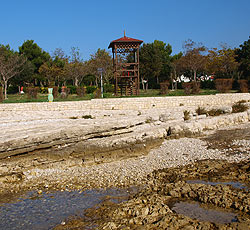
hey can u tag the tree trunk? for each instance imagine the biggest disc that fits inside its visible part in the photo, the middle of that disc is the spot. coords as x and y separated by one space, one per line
5 90
143 85
194 75
76 81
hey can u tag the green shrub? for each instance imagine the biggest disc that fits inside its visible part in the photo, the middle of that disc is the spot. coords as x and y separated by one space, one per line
108 88
207 84
72 89
239 107
91 89
43 90
12 89
98 93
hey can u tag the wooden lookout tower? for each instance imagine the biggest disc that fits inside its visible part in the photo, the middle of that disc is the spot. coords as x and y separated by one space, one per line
126 65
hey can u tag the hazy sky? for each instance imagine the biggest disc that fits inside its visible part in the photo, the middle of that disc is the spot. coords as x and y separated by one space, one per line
90 25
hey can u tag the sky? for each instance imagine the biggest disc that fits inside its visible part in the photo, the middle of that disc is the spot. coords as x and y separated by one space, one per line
93 24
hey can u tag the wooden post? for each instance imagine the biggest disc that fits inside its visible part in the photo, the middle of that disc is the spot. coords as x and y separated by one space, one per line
138 77
116 80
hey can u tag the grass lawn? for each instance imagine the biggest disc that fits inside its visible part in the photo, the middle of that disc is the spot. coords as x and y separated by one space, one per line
16 98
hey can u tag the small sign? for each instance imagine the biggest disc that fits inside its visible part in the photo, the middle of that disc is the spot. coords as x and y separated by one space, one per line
100 70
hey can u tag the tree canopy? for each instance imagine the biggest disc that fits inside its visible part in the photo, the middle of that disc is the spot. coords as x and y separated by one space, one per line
32 65
155 61
11 64
243 57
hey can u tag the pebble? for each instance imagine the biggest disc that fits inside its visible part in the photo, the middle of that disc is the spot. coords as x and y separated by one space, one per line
172 153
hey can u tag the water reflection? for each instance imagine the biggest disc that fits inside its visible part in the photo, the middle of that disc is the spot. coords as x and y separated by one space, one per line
195 211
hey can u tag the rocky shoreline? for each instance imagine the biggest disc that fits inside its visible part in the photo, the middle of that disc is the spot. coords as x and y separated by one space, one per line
151 208
97 150
67 175
221 156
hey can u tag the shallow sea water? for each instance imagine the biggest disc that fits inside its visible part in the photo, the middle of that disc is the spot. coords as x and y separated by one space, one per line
45 211
195 211
234 184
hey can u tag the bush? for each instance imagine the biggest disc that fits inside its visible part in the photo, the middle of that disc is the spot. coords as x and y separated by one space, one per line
164 87
1 94
223 85
191 87
108 88
207 84
239 107
43 90
98 93
32 92
201 111
195 87
87 117
90 89
186 115
12 89
236 85
55 91
215 112
243 86
81 91
64 92
72 89
187 87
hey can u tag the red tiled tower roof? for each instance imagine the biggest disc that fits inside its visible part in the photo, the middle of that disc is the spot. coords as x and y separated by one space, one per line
124 39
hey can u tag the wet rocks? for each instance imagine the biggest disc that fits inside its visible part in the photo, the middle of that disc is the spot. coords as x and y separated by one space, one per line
151 207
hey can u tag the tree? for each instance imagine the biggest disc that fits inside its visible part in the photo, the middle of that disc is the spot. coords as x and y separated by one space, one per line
101 59
75 68
52 72
76 71
193 59
35 55
222 62
24 77
243 57
175 69
11 64
164 51
155 62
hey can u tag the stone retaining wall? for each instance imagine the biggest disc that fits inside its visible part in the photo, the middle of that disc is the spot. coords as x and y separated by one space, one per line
130 103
